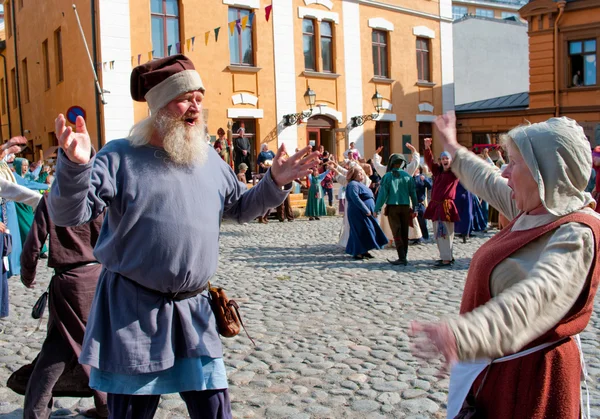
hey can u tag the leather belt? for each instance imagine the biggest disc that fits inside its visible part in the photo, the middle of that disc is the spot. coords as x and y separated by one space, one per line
172 296
62 269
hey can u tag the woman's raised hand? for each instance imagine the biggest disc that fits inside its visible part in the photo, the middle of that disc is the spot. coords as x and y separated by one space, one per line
446 125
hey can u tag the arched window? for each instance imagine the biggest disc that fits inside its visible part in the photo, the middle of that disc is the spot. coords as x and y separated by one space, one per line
165 27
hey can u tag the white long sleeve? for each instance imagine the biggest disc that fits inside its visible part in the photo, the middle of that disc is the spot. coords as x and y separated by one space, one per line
13 192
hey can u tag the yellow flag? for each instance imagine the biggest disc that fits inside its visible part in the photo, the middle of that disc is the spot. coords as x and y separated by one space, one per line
231 27
150 56
206 36
188 42
244 22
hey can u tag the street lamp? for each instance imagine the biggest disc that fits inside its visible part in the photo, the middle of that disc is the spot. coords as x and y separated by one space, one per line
310 97
377 100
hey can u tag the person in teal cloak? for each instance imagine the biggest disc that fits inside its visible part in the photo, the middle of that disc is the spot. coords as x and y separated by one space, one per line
315 205
24 211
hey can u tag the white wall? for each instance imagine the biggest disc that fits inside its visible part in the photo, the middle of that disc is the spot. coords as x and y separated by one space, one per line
491 59
115 45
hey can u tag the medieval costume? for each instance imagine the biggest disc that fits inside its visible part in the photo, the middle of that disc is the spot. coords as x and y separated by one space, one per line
159 250
530 289
341 179
71 292
464 205
365 233
315 204
422 185
409 168
397 192
442 210
242 145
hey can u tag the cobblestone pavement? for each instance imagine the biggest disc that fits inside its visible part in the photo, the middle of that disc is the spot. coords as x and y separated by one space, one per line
331 332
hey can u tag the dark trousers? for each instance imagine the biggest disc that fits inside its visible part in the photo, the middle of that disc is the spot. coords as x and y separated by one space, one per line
55 356
329 193
399 218
285 210
207 404
422 221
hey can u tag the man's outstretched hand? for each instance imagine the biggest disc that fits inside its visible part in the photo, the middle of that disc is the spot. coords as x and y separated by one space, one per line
76 145
284 170
13 146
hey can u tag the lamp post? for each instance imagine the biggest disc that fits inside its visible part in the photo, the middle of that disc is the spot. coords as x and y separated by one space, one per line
377 100
310 97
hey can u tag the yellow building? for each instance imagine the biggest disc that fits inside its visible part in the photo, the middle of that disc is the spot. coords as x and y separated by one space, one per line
256 71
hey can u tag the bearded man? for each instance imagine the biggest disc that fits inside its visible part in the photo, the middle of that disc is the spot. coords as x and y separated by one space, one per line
151 329
442 210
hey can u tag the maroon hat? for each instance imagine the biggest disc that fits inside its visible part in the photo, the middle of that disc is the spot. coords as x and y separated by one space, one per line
160 81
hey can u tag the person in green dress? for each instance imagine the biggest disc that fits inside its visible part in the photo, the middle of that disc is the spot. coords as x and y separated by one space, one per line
315 205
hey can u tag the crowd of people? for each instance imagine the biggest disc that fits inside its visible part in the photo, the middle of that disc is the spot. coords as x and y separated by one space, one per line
529 290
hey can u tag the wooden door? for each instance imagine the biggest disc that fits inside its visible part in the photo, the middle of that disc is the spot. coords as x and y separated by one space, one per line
314 134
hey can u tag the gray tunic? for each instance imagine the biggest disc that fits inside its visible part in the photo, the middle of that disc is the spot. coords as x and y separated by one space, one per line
161 231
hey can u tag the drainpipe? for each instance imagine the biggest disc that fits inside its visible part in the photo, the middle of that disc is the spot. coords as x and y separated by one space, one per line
561 9
95 53
6 98
14 24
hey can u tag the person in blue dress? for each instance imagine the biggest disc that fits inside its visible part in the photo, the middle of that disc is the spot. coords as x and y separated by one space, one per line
365 233
264 158
464 204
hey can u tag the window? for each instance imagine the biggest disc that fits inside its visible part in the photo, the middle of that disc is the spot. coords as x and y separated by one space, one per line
20 4
382 139
506 15
380 55
1 14
582 57
3 94
13 86
459 11
46 64
425 131
165 27
423 59
25 80
8 21
241 48
59 55
484 12
308 42
327 47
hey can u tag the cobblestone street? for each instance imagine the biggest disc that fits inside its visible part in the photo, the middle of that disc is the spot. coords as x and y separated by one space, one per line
331 332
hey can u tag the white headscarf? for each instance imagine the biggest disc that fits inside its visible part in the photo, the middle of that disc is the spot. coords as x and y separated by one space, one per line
559 157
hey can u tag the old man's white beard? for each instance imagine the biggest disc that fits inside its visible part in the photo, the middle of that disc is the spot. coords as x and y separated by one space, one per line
185 145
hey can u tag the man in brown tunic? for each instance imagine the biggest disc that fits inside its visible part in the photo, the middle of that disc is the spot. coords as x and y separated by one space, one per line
70 293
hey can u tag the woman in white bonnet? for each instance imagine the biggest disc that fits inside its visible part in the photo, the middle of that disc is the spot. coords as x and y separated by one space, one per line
530 289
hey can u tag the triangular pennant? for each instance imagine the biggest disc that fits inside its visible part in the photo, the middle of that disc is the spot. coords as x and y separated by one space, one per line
206 36
238 26
112 65
169 49
177 46
268 11
244 22
193 40
231 27
188 43
104 66
132 61
251 18
150 55
139 58
217 33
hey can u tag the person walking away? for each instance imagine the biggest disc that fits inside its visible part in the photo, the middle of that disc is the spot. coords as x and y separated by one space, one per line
327 184
365 233
71 292
442 210
397 192
464 205
160 249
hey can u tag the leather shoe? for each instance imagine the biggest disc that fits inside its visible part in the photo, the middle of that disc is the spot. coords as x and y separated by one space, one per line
398 262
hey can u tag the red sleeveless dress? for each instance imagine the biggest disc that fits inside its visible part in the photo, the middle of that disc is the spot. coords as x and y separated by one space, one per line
546 383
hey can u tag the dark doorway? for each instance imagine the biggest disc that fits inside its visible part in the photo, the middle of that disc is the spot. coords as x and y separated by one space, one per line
321 130
250 126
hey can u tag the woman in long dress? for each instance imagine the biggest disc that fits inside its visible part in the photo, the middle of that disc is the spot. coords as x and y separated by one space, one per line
530 289
365 233
315 205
